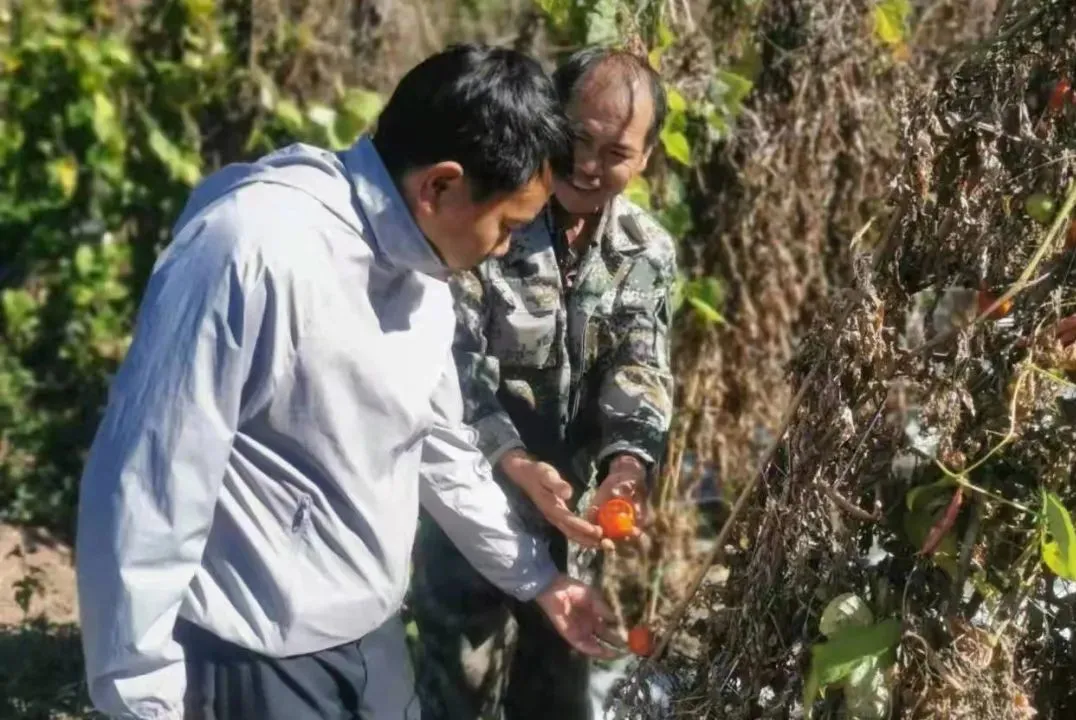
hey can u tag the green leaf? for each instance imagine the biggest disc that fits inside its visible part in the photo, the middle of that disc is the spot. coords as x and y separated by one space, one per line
707 289
84 260
601 23
1060 554
557 12
106 123
18 306
321 115
890 21
866 693
749 65
811 690
638 191
923 493
676 102
844 611
677 220
666 36
675 121
1051 556
290 115
737 87
707 312
357 110
64 174
676 146
181 166
678 292
717 123
117 52
846 652
20 317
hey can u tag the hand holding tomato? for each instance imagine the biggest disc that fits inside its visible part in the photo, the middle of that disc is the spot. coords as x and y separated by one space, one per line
619 505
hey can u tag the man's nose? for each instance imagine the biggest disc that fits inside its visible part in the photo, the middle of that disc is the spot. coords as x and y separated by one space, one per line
587 163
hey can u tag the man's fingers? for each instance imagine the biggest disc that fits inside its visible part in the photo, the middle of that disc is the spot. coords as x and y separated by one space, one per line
601 610
589 645
576 528
556 485
610 635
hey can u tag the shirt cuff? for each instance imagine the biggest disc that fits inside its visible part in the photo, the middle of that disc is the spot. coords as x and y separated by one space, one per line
625 447
546 572
496 436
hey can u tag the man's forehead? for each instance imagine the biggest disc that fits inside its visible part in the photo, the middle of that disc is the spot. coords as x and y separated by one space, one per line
612 81
617 100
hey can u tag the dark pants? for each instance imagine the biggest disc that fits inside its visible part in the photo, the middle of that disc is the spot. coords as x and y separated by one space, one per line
484 655
369 679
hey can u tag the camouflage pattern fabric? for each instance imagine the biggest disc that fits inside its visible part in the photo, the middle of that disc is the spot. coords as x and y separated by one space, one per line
568 358
483 654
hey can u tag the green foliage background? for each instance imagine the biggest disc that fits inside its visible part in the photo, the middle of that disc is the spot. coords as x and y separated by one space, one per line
111 110
109 113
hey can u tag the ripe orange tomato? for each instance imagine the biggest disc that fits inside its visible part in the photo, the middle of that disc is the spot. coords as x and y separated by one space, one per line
616 518
641 640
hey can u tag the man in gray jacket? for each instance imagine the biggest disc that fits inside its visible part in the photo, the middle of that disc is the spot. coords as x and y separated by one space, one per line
250 501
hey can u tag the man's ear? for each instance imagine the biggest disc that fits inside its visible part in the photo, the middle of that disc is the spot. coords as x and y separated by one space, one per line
431 183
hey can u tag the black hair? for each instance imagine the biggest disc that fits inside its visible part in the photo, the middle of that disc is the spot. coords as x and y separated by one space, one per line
493 110
581 63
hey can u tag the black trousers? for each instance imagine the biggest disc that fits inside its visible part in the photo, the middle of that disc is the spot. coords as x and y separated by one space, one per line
369 679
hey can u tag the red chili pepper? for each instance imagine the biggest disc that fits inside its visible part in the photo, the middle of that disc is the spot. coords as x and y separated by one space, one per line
944 523
986 299
1061 94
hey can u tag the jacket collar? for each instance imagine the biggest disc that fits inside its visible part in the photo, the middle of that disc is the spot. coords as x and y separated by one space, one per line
397 237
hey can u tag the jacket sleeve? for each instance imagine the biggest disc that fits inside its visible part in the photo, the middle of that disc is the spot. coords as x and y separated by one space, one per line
479 370
458 491
157 464
636 396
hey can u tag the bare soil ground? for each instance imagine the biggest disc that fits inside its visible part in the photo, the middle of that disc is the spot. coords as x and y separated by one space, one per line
40 651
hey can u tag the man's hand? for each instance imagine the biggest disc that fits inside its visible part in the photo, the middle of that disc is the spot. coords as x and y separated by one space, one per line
550 493
581 617
627 480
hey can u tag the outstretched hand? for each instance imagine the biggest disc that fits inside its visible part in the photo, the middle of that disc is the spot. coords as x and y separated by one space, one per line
550 493
581 616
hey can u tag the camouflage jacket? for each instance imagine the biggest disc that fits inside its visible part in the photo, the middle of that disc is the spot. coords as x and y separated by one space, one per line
570 359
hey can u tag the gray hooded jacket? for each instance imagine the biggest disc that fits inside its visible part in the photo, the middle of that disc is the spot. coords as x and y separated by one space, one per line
287 402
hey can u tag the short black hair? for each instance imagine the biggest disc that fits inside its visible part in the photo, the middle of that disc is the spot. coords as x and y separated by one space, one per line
493 110
571 73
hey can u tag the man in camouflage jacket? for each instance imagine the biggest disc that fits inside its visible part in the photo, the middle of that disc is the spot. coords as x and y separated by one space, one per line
563 357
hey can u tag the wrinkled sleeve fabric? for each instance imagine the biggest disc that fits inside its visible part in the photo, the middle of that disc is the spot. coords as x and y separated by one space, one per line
636 397
479 370
157 463
458 491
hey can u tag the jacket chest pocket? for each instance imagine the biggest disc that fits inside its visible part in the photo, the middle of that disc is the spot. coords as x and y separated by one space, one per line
526 325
